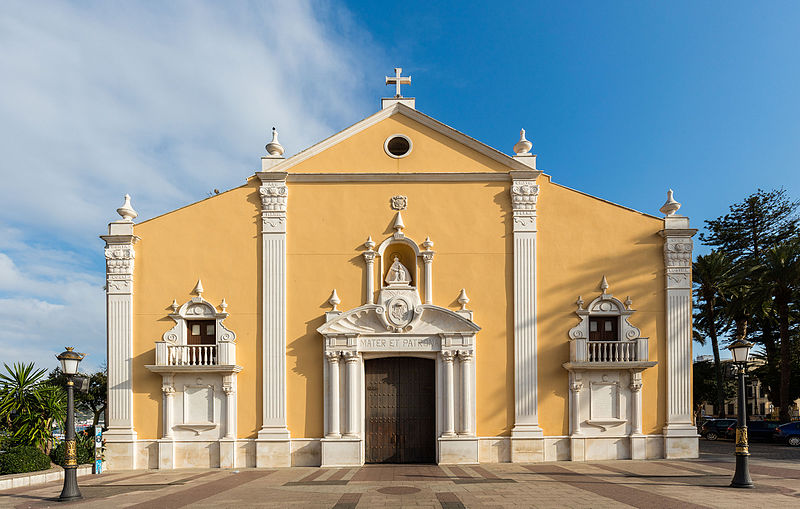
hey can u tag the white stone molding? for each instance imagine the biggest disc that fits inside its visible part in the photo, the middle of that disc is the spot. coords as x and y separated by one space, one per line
333 402
274 201
524 193
449 393
120 256
352 366
680 435
458 176
465 358
369 259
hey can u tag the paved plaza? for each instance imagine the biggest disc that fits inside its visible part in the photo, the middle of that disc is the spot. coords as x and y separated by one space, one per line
646 484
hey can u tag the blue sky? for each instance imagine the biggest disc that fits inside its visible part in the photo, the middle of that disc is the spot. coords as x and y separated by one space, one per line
169 101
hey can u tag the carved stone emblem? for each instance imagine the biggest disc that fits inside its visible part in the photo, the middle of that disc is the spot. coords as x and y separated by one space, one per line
399 312
399 202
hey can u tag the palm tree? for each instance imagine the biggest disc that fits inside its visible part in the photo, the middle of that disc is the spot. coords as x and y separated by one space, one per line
781 277
711 275
29 405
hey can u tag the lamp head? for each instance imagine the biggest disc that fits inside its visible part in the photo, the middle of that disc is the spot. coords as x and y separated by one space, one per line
740 350
70 360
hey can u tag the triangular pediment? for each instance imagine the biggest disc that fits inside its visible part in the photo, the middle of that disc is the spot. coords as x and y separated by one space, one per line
436 147
365 321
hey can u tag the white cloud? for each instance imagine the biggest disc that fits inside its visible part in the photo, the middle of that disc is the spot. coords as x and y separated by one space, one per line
162 101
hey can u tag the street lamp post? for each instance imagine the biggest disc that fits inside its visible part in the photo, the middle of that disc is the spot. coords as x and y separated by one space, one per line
69 366
740 349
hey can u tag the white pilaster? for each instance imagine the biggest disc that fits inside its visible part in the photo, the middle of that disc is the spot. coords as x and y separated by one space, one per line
369 258
333 395
353 397
168 389
524 193
273 446
465 427
680 435
119 253
229 388
638 441
449 403
575 387
427 258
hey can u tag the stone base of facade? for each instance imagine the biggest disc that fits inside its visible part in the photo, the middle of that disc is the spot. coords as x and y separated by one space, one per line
273 453
120 451
681 442
341 452
314 452
458 450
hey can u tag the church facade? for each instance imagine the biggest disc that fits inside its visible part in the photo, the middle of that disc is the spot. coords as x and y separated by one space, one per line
398 292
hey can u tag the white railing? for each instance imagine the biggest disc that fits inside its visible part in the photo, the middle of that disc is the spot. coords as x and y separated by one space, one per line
195 355
583 350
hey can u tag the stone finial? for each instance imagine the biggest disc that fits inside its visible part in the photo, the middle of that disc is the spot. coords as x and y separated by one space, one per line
398 223
463 299
628 302
604 285
126 211
580 302
174 305
428 244
274 148
198 288
334 300
671 206
369 244
223 305
523 146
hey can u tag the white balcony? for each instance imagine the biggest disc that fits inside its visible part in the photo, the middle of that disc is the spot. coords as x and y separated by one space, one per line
194 357
601 354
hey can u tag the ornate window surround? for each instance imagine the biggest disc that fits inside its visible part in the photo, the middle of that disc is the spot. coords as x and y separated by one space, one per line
197 308
605 305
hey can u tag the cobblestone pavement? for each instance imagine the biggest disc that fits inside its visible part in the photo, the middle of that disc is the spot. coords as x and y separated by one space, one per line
646 484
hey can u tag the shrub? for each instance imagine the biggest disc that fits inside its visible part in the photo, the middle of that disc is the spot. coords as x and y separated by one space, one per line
85 450
23 458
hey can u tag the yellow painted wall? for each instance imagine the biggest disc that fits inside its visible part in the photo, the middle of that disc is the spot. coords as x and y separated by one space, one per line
431 152
217 240
580 239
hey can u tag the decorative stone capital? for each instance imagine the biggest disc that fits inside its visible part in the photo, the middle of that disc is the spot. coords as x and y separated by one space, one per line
169 390
576 386
524 194
427 256
465 355
369 256
333 356
448 355
274 196
636 381
350 357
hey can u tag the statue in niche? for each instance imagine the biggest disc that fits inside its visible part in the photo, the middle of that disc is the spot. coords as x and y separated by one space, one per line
398 274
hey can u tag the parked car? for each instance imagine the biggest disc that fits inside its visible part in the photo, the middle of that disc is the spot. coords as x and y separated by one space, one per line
756 430
713 429
789 433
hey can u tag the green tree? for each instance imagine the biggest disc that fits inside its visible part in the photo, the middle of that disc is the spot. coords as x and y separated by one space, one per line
29 405
94 400
780 273
712 275
706 388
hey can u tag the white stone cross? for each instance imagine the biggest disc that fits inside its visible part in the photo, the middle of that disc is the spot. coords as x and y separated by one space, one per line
398 80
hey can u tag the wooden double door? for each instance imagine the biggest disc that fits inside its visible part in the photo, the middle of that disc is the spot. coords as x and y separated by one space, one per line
401 410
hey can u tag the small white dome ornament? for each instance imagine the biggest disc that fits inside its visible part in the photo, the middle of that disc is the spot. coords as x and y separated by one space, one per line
523 146
369 244
274 148
126 211
671 206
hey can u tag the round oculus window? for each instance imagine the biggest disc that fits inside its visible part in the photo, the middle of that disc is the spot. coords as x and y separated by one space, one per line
397 145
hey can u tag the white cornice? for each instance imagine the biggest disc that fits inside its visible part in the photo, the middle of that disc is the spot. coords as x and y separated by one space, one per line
399 177
401 109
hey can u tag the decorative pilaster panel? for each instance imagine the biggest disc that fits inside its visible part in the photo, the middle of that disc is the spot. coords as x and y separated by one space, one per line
168 389
524 193
351 360
333 394
678 277
274 194
120 255
369 259
465 427
449 394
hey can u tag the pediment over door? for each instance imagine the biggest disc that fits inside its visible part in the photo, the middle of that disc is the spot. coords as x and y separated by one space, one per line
424 320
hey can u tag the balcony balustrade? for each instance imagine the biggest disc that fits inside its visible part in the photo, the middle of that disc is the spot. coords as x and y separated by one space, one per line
200 356
609 352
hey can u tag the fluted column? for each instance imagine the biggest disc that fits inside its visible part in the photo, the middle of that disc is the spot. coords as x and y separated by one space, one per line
427 258
636 403
351 366
168 389
465 357
333 395
524 194
449 403
575 386
369 258
274 195
120 255
229 388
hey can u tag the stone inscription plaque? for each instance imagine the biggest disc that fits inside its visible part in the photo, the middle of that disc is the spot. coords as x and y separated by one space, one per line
399 344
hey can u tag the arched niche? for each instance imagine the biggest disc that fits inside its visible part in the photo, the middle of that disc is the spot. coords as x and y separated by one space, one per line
407 256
